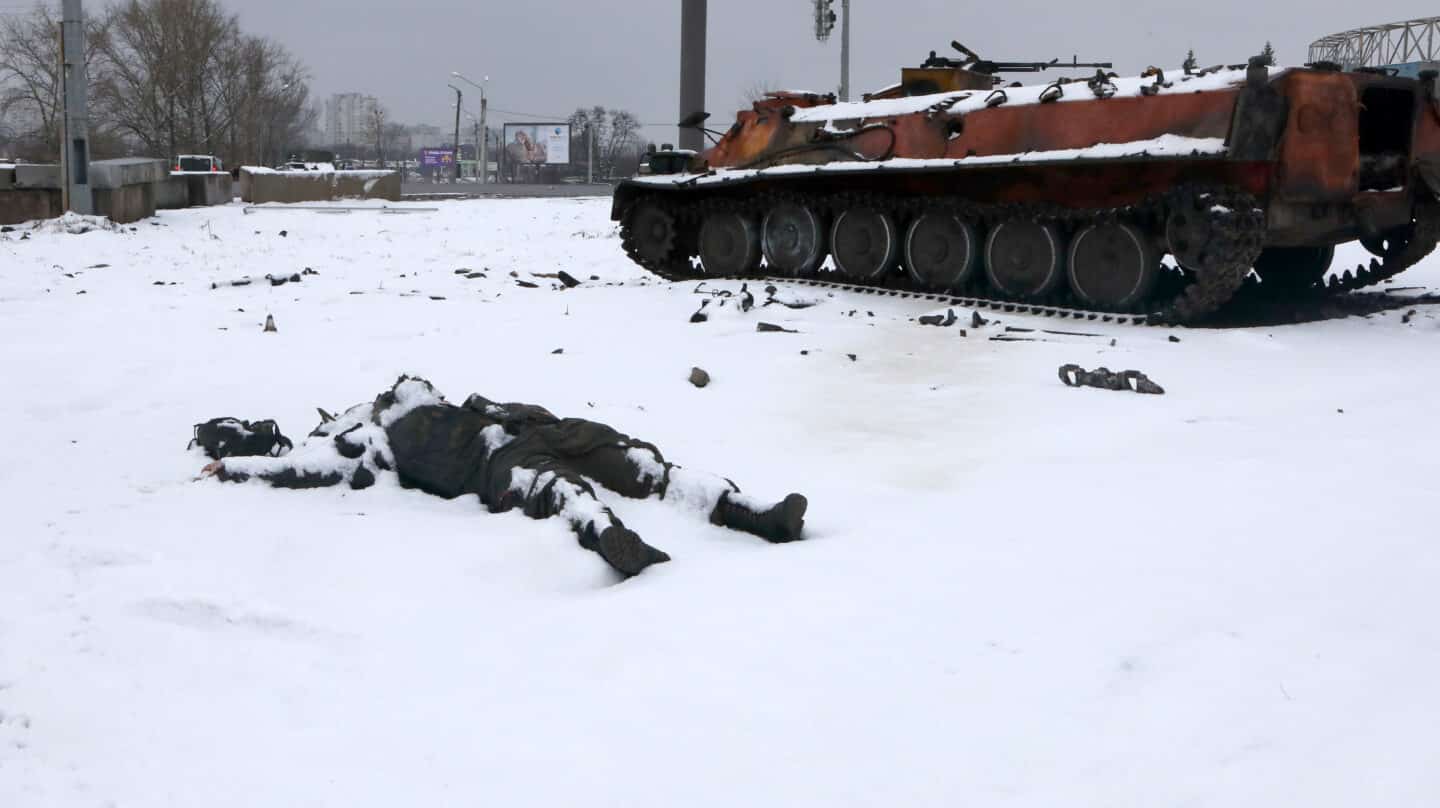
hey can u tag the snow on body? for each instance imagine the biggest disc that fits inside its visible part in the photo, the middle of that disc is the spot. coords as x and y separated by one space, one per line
849 116
1014 593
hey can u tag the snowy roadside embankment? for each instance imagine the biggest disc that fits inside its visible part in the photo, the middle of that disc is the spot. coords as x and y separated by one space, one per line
1013 593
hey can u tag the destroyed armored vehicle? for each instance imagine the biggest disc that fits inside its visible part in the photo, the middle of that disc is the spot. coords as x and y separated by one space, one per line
1063 197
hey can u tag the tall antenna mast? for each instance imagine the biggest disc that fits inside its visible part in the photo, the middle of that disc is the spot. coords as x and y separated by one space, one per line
825 19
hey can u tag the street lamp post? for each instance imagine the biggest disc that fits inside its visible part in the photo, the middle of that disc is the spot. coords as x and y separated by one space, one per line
485 141
459 96
478 150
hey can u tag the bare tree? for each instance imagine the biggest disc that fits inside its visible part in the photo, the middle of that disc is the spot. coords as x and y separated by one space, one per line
181 76
622 135
376 131
30 80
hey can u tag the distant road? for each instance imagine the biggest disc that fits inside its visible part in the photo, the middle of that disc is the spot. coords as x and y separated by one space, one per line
471 189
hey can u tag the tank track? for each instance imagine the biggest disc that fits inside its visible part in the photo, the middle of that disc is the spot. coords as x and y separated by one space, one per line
1423 237
1235 218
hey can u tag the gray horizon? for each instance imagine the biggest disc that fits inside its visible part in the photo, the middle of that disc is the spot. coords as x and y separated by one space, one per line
545 59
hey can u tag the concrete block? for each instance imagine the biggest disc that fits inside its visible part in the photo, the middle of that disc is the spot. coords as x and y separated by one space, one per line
172 193
209 189
19 205
127 171
37 175
7 178
290 187
129 203
368 185
259 186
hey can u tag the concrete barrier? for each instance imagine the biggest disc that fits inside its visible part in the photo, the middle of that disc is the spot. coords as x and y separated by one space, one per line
261 185
125 189
368 185
28 201
172 193
188 189
215 188
30 175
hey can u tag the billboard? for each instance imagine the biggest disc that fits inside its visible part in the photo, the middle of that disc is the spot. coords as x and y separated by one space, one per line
437 158
537 144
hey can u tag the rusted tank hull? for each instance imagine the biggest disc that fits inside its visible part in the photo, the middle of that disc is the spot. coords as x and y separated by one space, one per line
1219 170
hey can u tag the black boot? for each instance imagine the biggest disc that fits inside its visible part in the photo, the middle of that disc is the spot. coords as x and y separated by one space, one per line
623 549
781 523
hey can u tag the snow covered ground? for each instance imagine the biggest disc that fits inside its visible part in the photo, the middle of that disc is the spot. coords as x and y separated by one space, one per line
1014 593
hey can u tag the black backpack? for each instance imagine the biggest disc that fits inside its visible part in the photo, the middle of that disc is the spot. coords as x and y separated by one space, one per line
232 437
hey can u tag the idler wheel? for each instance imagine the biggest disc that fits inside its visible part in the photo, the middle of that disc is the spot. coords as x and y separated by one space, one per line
653 232
793 239
729 243
1293 269
864 242
940 251
1388 245
1025 259
1112 265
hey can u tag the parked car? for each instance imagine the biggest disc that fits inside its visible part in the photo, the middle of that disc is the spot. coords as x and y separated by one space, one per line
198 162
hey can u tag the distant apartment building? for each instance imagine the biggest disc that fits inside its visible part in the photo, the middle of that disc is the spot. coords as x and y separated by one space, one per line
348 118
424 136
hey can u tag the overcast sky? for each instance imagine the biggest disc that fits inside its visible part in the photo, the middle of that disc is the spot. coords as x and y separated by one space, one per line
550 56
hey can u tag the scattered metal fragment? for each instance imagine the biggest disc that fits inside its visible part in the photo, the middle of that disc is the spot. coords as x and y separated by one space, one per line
527 284
270 324
942 320
771 328
699 377
1106 379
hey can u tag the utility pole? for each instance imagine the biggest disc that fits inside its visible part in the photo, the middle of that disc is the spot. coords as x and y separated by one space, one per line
484 145
459 96
75 131
484 141
692 69
589 154
845 50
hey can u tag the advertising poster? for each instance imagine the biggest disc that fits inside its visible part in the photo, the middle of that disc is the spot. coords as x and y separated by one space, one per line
537 144
437 158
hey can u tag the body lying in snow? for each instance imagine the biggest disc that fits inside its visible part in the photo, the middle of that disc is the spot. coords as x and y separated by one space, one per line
512 455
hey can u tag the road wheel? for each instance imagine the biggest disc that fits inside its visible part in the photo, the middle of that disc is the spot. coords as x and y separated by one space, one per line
1112 265
941 251
865 243
793 239
1025 259
729 244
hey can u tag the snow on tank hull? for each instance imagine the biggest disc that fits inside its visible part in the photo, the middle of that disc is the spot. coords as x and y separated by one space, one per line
1069 194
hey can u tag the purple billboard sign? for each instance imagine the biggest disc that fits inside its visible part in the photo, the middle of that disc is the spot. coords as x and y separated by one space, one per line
437 158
